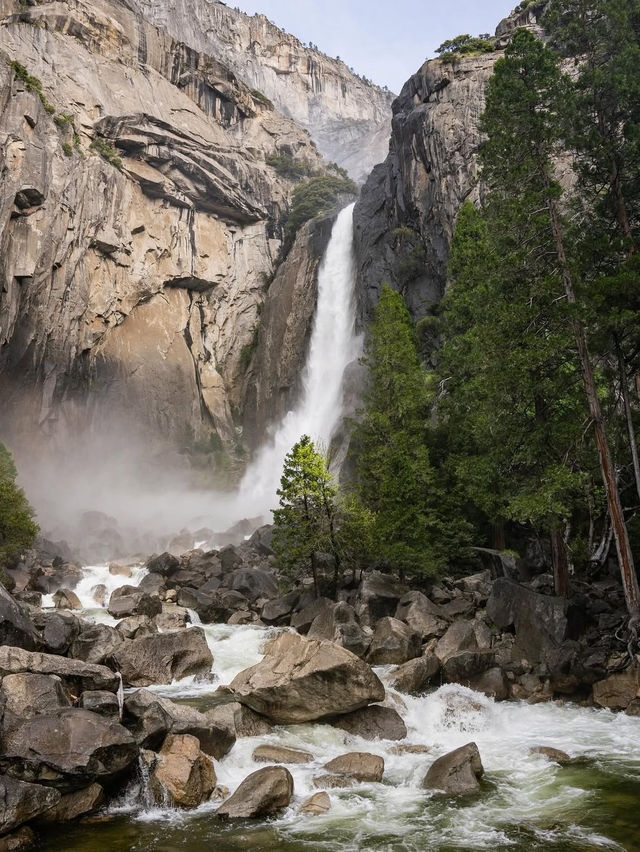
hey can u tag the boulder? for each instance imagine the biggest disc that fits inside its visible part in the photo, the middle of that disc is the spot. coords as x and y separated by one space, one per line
27 695
460 636
172 617
493 683
248 723
183 776
263 793
75 674
554 754
153 584
280 754
319 803
134 626
334 781
359 765
21 802
15 627
540 621
456 773
278 610
99 701
393 643
69 750
66 599
19 841
100 594
617 691
164 657
150 718
373 723
304 618
253 583
262 539
96 643
409 748
244 617
57 630
132 600
422 615
413 677
75 805
164 565
378 596
118 570
229 558
337 622
300 680
460 668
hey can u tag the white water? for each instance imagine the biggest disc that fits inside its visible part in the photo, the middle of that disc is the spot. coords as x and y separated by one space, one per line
334 345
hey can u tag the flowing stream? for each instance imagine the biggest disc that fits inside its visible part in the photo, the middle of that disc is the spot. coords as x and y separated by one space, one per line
527 802
334 344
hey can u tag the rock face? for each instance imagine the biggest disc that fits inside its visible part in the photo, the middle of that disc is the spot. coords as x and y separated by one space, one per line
347 117
456 773
69 750
21 802
133 252
15 627
619 690
300 680
261 794
164 657
183 776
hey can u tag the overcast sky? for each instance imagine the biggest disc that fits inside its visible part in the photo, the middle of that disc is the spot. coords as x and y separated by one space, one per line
386 42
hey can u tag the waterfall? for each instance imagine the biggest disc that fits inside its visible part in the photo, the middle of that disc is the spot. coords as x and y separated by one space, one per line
334 344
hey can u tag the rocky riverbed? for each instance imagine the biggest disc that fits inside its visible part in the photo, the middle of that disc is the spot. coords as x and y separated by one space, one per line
188 697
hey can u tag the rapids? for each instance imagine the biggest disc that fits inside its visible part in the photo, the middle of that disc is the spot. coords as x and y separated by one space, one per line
527 802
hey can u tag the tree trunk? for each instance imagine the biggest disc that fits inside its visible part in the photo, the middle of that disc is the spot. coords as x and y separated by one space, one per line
624 386
499 540
623 547
560 564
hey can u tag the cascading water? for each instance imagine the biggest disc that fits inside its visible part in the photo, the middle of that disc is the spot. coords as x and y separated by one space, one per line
334 345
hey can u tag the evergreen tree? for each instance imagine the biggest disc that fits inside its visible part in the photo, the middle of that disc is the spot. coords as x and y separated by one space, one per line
415 527
18 530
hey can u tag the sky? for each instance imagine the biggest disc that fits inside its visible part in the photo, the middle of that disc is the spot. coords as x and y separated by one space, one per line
386 42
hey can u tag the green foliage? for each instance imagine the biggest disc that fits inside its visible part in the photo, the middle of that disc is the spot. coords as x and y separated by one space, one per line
261 98
288 166
396 476
67 147
465 45
314 520
316 197
247 352
18 530
32 84
64 120
106 151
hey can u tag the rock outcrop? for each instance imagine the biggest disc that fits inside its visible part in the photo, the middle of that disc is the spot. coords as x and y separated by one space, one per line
266 791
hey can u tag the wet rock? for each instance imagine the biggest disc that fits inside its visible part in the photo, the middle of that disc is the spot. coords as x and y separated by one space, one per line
409 748
75 805
280 754
247 722
183 777
261 540
69 750
393 642
333 782
460 636
164 565
266 791
100 594
153 584
75 674
96 643
66 599
304 618
337 623
493 683
460 668
229 558
619 690
244 617
634 708
277 611
359 765
378 597
300 680
422 615
57 630
319 803
18 841
554 754
15 626
164 657
21 802
414 676
99 701
172 617
456 773
131 600
253 583
373 723
28 695
118 570
135 626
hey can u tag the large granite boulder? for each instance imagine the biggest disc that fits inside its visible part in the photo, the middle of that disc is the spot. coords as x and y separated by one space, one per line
359 765
422 615
27 695
460 636
263 793
164 657
617 691
393 642
57 630
131 600
337 622
280 754
414 676
373 723
21 802
165 564
69 750
15 627
456 773
301 679
74 805
253 583
96 643
378 596
183 776
75 674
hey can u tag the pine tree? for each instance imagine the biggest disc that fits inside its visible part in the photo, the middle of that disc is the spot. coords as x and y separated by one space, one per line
18 530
